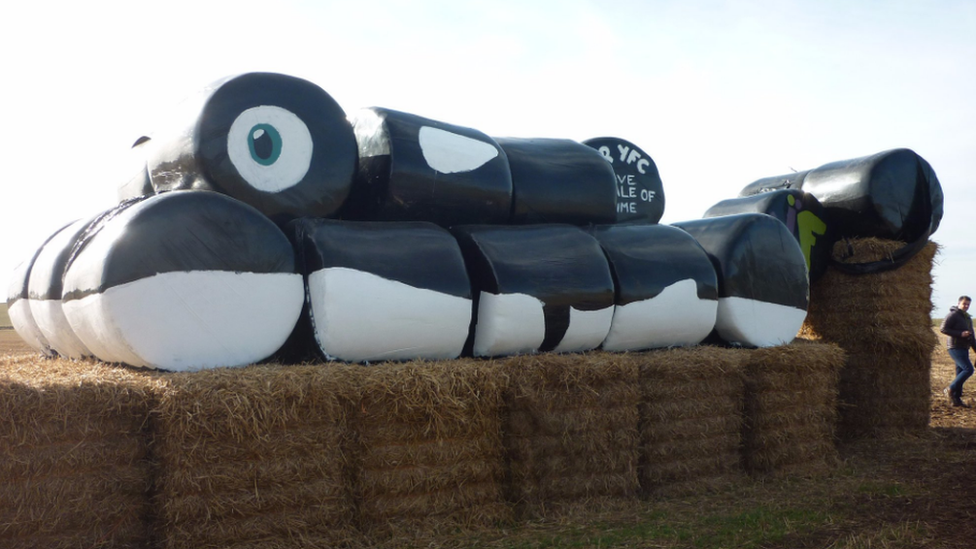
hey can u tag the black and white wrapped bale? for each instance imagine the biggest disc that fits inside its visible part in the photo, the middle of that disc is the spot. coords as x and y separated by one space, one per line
559 181
416 169
666 287
19 308
276 142
45 289
383 290
802 214
764 287
537 288
640 193
183 281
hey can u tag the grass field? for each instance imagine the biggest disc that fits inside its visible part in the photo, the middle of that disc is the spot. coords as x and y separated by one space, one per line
889 493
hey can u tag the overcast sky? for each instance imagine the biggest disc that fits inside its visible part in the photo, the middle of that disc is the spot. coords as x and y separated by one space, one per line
719 93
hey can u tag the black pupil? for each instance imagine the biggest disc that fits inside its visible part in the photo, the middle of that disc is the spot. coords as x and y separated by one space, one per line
263 145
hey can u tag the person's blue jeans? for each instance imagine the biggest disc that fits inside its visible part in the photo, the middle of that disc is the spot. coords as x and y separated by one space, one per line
964 369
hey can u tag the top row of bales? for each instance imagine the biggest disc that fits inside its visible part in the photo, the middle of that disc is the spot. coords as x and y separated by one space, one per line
174 265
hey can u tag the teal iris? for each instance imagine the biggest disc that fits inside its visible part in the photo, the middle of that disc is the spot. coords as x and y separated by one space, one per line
264 141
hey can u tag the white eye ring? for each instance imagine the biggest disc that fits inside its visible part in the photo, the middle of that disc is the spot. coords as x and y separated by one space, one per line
286 156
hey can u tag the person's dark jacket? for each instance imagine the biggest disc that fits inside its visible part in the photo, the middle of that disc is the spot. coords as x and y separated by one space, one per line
954 324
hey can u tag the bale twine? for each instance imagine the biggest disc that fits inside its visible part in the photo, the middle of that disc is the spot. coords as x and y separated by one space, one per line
256 457
690 419
432 459
570 432
74 465
883 322
791 408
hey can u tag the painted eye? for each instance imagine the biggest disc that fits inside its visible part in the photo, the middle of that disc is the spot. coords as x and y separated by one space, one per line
270 147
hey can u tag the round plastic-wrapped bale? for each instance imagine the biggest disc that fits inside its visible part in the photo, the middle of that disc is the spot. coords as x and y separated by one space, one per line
46 288
183 281
559 181
666 287
802 214
383 291
775 183
536 288
417 169
133 176
640 193
763 286
19 308
276 142
892 194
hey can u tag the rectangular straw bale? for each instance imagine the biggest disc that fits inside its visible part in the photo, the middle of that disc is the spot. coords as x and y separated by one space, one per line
690 419
256 457
571 430
791 408
74 457
430 435
851 310
884 395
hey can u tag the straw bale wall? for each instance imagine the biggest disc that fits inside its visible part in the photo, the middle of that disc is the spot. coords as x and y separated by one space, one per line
791 409
690 420
883 322
74 455
347 455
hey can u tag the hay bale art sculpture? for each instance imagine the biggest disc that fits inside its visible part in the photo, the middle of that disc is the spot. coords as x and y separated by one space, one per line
640 193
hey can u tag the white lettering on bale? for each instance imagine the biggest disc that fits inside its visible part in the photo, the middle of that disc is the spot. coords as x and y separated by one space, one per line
448 152
509 324
359 317
587 329
757 323
186 321
674 318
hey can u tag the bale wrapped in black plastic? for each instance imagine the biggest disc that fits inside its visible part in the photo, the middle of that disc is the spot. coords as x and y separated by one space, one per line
802 214
763 285
893 195
640 193
381 290
559 181
183 280
666 290
416 169
536 288
278 143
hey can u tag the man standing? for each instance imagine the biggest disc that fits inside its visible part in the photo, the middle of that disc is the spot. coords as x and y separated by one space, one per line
958 327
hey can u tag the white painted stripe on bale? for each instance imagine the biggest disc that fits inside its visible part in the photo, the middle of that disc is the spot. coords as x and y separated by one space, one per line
674 318
509 324
187 321
757 323
448 152
587 329
359 317
50 319
22 320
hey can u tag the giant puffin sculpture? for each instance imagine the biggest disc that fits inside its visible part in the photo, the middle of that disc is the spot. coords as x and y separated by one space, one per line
262 222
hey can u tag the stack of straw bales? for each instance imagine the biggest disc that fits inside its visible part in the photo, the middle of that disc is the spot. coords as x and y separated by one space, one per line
883 322
430 435
74 456
256 457
690 419
791 409
570 431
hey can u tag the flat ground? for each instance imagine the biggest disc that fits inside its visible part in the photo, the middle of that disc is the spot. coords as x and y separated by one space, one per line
906 492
